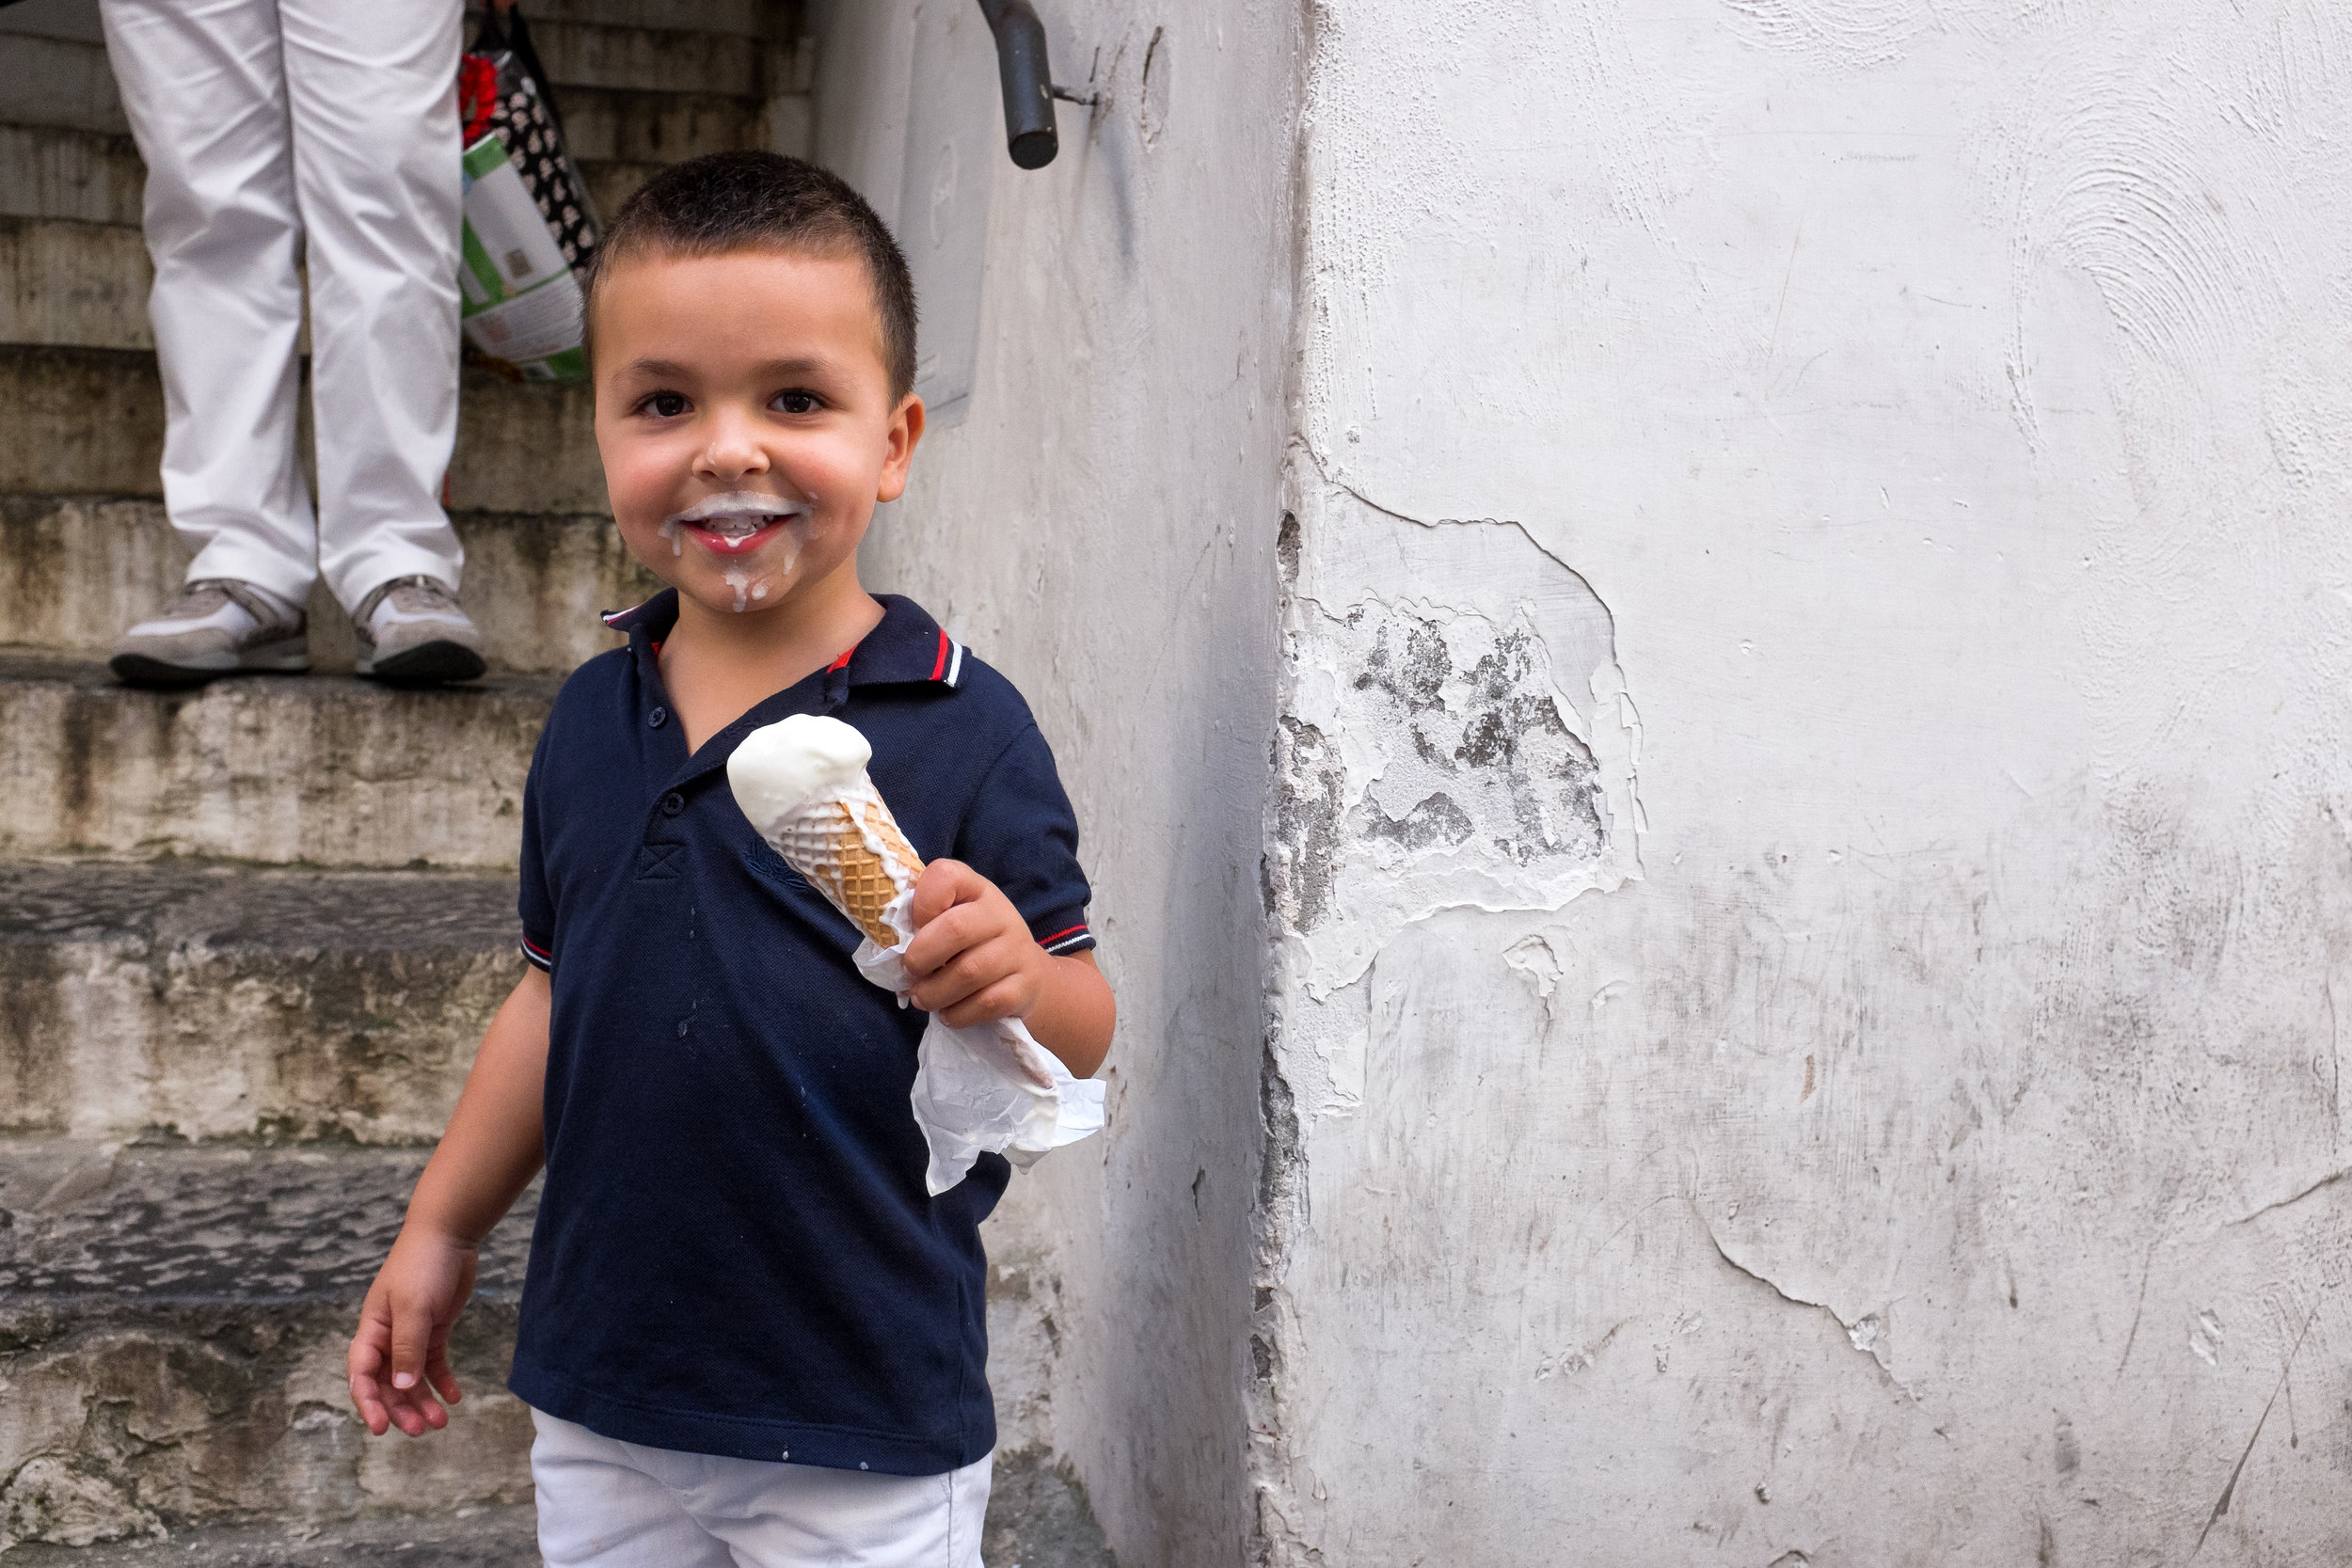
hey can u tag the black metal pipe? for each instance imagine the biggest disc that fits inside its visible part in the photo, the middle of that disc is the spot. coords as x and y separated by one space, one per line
1027 82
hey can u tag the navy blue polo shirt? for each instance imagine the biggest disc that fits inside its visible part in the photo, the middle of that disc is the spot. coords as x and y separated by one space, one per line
735 1253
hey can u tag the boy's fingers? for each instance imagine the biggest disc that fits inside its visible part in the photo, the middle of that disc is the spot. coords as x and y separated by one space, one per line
943 885
982 984
415 1411
365 1399
367 1350
437 1372
940 943
937 945
1001 1000
365 1360
979 966
412 1330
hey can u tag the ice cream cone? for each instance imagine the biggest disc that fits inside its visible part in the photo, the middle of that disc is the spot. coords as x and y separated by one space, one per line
803 784
851 849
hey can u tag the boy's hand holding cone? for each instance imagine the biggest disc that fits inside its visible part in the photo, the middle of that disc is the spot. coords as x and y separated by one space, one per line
980 1087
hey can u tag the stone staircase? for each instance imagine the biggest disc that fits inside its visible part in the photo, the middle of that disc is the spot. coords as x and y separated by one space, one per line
250 933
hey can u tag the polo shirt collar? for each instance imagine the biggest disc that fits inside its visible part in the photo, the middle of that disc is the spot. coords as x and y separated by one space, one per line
908 646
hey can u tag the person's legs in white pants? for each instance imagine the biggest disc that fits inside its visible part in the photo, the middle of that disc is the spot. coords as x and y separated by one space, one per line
372 95
616 1505
273 128
204 89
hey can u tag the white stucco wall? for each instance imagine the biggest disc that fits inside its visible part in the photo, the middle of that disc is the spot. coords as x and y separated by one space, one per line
1896 1118
1806 856
1098 522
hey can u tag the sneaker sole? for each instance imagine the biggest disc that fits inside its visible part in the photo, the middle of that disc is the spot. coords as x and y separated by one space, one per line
434 663
145 670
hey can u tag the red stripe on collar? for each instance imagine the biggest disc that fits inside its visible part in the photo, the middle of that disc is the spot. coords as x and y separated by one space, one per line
939 665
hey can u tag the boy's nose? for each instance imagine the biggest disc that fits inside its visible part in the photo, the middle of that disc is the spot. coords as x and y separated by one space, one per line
731 454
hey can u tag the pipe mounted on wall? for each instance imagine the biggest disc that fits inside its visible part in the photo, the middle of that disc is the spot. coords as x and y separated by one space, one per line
1027 80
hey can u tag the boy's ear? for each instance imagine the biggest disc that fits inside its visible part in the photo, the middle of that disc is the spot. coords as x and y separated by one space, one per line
906 429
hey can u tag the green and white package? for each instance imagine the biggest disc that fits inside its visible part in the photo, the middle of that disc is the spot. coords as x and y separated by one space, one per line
522 305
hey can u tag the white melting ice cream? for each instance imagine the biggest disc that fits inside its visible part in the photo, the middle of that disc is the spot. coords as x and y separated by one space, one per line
780 767
737 515
989 1087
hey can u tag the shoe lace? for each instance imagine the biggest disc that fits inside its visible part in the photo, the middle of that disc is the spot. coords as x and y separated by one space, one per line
200 598
409 592
206 594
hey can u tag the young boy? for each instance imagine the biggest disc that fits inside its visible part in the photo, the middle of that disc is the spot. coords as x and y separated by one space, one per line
748 1336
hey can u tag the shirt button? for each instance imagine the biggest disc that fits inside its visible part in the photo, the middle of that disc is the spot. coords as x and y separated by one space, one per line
672 803
657 718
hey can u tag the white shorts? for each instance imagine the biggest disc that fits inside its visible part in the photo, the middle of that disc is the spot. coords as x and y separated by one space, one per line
616 1505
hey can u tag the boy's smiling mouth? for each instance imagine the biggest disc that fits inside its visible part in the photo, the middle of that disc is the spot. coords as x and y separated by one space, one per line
734 524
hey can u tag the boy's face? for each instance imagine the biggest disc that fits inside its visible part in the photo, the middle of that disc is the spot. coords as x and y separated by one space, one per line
744 415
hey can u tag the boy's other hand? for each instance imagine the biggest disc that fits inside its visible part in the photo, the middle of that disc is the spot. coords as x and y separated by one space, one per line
399 1356
972 959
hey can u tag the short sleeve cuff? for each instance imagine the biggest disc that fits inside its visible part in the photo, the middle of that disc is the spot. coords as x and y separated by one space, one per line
1063 937
541 954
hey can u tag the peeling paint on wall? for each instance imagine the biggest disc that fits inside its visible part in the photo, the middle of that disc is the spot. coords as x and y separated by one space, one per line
1455 731
1926 1143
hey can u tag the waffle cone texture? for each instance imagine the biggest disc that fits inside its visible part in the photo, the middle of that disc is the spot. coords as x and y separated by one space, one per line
850 848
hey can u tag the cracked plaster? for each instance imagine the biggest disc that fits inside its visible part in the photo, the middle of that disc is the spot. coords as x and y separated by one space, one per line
1929 1147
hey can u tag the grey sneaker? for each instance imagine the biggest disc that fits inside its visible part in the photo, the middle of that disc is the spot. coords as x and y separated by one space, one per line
213 627
412 633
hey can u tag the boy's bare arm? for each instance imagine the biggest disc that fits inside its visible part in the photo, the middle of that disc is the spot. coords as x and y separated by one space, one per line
972 960
493 1148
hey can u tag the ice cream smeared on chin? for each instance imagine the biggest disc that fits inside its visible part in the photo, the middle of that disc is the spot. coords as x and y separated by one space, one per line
732 527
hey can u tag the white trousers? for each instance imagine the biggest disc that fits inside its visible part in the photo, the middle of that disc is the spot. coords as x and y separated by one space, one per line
615 1505
279 133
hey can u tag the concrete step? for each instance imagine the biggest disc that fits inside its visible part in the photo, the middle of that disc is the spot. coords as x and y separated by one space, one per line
663 57
71 281
75 571
604 124
610 182
656 94
173 1324
206 1001
756 19
48 171
327 770
607 124
58 81
467 1538
54 19
63 282
90 421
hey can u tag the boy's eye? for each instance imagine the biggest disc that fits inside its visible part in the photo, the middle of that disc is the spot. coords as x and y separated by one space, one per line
795 403
668 405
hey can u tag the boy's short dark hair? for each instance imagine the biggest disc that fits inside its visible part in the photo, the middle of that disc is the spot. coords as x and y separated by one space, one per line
725 201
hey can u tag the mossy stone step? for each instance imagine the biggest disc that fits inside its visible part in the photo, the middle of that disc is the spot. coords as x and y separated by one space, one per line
323 770
207 1001
173 1322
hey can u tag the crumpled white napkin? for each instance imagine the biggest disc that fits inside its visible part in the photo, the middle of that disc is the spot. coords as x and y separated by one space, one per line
990 1088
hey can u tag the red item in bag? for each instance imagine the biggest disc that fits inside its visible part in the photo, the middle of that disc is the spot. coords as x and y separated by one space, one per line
477 95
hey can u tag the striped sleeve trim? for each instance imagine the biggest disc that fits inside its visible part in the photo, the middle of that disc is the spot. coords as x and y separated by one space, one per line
1076 939
537 955
947 667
